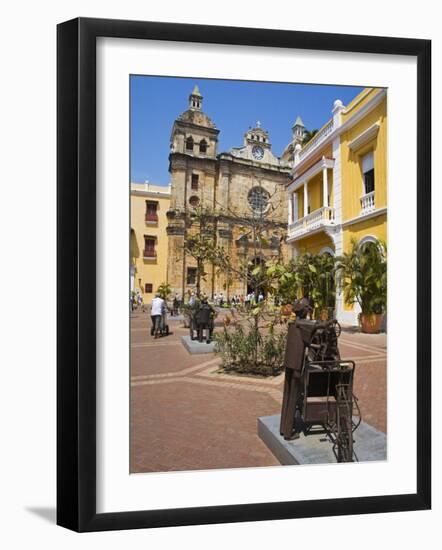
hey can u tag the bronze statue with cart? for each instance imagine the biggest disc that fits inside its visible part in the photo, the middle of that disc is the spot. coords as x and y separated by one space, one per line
318 388
202 320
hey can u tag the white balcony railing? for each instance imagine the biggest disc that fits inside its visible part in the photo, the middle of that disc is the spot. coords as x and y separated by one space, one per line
367 203
322 217
316 140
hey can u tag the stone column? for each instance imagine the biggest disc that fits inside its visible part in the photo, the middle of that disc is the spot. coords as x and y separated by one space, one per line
324 185
295 207
290 209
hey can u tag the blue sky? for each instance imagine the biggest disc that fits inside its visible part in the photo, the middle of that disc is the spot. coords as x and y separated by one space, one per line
233 105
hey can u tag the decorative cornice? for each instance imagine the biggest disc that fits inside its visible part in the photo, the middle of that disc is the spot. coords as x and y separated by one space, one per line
175 230
351 121
184 158
299 180
366 136
363 217
151 194
247 165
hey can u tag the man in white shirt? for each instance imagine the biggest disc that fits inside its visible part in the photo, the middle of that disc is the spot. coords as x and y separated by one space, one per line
157 310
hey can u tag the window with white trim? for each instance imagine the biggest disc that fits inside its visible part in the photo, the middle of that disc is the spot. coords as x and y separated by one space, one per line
368 172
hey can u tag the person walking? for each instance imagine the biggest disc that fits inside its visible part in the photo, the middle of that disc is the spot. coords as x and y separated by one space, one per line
156 312
192 299
175 305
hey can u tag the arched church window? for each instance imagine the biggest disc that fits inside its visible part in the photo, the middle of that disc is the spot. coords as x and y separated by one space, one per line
203 146
189 144
258 199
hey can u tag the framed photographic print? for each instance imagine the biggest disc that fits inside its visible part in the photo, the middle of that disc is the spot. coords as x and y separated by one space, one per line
243 274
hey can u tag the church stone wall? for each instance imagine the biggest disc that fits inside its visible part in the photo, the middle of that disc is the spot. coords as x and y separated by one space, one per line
224 183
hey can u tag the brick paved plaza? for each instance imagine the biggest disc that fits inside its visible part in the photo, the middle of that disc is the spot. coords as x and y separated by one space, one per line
186 416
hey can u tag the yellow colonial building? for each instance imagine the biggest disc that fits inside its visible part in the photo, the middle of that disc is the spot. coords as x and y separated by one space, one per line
148 238
339 186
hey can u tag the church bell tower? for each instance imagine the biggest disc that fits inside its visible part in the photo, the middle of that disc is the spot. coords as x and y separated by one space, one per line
298 131
192 167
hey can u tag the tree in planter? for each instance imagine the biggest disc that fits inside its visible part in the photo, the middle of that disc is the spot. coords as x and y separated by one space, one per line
255 330
255 233
362 275
201 244
308 275
322 284
253 341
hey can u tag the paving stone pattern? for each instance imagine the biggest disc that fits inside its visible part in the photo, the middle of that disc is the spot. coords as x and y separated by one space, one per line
186 416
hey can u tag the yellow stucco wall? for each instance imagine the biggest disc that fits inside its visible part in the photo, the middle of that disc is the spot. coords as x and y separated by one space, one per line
314 243
358 102
352 177
315 193
373 227
152 271
352 185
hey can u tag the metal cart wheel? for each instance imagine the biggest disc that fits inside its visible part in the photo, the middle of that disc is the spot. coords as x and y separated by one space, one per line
344 432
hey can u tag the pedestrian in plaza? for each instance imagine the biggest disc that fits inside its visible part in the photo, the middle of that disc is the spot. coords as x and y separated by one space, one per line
175 305
192 299
158 309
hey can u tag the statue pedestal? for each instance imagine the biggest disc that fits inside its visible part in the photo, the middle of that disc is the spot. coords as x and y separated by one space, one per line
369 444
195 348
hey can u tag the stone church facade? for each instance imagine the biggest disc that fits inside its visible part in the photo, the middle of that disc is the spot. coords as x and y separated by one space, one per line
236 186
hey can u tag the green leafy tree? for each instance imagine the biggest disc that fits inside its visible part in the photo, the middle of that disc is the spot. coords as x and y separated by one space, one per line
322 282
307 275
164 290
200 243
246 343
362 274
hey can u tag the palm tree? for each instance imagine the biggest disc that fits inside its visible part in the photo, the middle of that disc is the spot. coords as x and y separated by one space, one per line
322 267
362 274
308 134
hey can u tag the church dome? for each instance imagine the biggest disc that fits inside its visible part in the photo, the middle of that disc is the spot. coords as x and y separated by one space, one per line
196 117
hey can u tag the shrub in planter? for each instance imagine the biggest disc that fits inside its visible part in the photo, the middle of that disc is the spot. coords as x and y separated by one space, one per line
362 273
249 349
